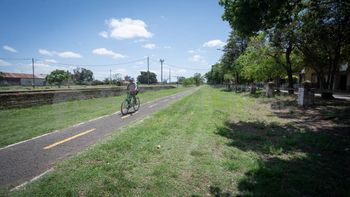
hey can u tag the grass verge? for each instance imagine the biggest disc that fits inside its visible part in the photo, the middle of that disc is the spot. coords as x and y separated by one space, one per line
212 143
22 124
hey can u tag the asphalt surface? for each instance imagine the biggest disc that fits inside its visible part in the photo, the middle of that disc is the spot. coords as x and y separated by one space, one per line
23 162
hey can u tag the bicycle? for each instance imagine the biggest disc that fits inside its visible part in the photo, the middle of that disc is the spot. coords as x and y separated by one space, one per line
128 103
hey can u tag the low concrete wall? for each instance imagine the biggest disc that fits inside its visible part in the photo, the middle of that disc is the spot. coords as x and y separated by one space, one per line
29 99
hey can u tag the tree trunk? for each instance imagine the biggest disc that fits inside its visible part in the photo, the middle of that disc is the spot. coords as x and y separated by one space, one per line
290 83
326 93
289 70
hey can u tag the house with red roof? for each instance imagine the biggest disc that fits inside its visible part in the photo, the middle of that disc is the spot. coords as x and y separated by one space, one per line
21 79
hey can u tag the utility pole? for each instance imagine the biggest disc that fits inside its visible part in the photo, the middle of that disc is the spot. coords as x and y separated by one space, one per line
33 80
169 76
148 69
68 74
110 77
161 70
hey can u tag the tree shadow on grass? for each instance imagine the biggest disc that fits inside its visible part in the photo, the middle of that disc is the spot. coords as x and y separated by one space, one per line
326 114
293 161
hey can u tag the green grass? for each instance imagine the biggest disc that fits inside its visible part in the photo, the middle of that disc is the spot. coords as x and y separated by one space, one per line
212 143
25 123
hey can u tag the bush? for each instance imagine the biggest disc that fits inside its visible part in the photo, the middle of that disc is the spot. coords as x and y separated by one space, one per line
97 82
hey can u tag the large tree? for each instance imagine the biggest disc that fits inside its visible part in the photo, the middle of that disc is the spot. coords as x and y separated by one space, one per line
256 62
324 38
1 76
233 49
215 75
276 17
145 76
198 79
82 76
57 77
318 28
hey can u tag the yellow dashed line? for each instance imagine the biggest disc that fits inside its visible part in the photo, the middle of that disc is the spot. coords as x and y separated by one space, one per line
68 139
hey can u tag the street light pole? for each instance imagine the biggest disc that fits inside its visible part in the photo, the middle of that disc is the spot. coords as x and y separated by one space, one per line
33 80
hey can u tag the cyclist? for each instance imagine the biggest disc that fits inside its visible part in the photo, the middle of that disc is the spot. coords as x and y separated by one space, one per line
132 90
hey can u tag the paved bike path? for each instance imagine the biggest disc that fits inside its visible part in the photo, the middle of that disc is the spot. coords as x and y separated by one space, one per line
24 161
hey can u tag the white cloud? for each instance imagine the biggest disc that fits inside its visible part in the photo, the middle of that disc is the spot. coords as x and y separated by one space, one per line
149 46
104 51
10 49
51 61
46 52
191 51
197 58
4 63
127 28
64 54
214 43
69 54
103 34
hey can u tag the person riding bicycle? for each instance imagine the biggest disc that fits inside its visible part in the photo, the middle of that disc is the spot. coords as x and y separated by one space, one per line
132 89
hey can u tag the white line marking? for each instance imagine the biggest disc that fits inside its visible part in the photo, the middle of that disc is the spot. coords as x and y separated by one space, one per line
125 116
33 179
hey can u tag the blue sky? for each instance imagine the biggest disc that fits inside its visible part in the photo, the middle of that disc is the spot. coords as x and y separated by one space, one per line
63 34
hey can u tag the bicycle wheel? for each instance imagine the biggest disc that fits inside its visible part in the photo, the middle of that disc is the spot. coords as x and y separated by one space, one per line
136 105
124 108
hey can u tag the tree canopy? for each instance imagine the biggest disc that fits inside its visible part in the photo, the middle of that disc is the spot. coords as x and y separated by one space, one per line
143 77
82 76
256 62
317 31
57 77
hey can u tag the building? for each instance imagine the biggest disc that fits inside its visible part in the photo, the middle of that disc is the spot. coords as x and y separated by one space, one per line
341 78
21 79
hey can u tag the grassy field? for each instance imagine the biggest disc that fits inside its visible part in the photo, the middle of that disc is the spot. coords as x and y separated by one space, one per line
213 143
22 124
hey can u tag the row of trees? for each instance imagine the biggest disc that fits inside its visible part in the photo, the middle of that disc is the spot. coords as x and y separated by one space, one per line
278 38
197 80
82 76
79 76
